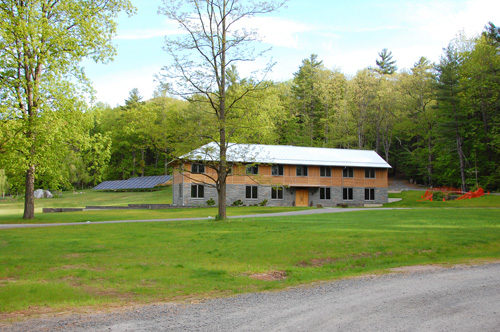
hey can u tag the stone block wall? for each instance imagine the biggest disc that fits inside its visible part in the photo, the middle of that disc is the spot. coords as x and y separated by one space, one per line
182 196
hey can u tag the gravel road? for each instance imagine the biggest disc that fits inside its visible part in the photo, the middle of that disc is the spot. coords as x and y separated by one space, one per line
462 298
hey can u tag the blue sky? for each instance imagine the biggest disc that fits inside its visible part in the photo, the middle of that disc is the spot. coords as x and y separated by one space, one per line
346 35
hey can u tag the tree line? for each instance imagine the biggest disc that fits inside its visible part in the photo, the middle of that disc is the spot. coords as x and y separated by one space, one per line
437 124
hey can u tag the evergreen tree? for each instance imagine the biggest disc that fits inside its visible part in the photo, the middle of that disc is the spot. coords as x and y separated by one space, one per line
385 64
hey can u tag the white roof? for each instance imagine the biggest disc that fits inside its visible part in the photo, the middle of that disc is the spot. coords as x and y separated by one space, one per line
289 155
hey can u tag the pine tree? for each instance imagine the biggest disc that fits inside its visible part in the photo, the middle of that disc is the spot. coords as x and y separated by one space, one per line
386 65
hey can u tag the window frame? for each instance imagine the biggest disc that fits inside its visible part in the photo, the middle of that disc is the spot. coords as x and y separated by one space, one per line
325 170
326 192
304 170
253 190
197 191
371 194
345 194
280 168
252 170
368 173
349 171
277 190
197 168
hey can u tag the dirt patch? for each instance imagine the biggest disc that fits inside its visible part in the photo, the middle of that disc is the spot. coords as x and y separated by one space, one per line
74 255
77 267
269 276
416 268
318 262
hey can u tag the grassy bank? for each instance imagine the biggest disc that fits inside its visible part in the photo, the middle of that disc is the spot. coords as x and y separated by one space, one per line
111 264
413 198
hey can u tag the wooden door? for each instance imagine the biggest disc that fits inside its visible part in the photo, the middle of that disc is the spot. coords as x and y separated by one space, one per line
301 197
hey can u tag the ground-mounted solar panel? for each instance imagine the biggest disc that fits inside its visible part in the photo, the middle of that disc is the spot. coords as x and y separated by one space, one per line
143 182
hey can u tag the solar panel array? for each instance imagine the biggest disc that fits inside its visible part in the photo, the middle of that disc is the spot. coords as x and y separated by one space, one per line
143 182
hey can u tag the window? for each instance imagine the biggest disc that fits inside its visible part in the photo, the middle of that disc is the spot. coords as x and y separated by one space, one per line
325 171
370 173
347 194
277 193
324 193
301 170
348 172
277 170
197 168
251 192
369 194
197 191
253 170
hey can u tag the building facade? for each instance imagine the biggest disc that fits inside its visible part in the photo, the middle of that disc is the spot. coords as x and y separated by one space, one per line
284 176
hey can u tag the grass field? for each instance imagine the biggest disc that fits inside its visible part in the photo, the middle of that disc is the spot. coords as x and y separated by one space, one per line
11 211
100 265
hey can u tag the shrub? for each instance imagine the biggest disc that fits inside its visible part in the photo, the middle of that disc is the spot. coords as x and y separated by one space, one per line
237 203
211 202
263 203
437 196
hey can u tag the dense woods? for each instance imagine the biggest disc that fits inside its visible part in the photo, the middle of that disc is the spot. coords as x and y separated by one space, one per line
435 123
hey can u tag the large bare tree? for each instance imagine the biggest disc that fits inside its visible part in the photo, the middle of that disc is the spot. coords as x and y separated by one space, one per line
216 35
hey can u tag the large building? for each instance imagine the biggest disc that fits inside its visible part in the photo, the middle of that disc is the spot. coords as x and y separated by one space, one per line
283 175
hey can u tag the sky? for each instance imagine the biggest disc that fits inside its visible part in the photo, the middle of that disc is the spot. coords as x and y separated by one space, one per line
346 36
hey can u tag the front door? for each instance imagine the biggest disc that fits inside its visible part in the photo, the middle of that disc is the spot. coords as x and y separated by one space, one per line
301 197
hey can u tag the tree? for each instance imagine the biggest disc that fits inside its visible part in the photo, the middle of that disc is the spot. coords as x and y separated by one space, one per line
362 92
385 64
307 105
452 116
41 44
215 40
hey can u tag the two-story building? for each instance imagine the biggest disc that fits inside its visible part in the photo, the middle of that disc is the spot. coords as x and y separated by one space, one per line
283 175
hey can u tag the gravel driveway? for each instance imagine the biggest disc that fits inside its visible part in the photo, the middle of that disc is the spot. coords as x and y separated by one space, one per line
462 298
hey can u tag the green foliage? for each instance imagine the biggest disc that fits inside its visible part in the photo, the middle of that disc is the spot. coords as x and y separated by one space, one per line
211 202
263 203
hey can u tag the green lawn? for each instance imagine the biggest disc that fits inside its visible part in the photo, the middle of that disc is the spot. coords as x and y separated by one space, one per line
413 198
98 265
11 211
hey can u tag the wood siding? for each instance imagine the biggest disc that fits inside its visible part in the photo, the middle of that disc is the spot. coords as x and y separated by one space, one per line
289 178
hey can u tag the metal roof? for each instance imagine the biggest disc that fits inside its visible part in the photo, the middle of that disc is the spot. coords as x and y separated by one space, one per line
289 155
144 182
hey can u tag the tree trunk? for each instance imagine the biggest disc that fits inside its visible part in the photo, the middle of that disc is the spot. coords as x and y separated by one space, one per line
166 161
221 177
142 162
429 164
461 160
133 163
29 195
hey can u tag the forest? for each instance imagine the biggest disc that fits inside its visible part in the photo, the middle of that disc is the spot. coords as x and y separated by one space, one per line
437 124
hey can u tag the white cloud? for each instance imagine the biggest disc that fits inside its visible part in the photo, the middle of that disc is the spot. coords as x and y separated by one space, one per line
113 88
441 21
276 31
